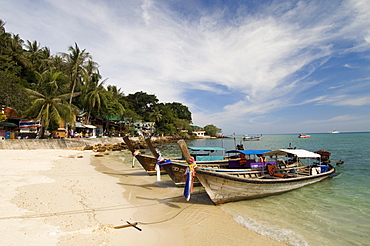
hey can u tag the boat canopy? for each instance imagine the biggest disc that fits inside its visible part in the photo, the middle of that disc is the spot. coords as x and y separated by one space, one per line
207 153
249 151
205 148
300 153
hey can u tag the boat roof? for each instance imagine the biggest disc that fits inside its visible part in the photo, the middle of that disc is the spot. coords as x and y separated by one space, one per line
205 148
249 151
300 153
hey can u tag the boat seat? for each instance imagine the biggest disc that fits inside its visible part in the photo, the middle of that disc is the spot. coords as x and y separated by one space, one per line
235 164
271 171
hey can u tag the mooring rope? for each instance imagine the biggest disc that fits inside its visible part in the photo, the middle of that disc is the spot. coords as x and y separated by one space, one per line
108 208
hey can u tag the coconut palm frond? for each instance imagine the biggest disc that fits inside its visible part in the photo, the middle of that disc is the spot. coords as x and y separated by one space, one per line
34 93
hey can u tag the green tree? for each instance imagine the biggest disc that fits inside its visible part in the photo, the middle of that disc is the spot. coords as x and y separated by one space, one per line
12 58
13 93
155 115
50 109
119 96
50 82
50 106
180 111
212 130
95 95
76 61
143 103
33 49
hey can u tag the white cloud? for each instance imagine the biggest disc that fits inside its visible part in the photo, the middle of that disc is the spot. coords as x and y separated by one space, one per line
354 101
339 118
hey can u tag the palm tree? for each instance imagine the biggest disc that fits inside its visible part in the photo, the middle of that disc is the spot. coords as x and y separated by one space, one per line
94 94
17 52
46 59
33 47
2 28
76 60
50 108
118 95
50 104
116 92
155 115
48 82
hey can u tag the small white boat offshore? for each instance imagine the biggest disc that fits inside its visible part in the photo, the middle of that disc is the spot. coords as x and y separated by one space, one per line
290 170
252 138
334 131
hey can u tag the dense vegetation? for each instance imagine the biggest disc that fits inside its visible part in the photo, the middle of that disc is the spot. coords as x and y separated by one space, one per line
54 88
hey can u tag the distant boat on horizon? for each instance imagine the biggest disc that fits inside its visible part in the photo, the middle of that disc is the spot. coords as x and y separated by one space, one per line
252 138
334 131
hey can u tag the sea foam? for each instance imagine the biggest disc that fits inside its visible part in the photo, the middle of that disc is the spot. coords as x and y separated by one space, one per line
267 229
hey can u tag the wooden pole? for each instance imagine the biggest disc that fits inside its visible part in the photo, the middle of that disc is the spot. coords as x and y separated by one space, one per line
184 150
151 147
129 144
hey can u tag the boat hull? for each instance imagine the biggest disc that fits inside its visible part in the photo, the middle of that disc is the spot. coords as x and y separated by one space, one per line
148 163
251 139
176 170
222 188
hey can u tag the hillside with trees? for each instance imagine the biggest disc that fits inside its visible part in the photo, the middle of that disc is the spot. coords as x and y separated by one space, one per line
53 88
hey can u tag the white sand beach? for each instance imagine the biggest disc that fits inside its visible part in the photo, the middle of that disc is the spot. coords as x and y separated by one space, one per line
71 197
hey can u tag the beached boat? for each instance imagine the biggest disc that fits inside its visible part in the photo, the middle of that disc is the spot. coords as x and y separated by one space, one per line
238 161
207 155
252 138
148 162
290 171
303 136
204 156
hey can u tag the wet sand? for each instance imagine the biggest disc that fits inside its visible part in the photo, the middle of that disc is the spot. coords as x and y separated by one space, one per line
70 197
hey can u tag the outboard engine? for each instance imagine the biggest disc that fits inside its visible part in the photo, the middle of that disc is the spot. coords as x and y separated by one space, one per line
325 156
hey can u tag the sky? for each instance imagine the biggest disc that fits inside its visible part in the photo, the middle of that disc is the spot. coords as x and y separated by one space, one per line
245 66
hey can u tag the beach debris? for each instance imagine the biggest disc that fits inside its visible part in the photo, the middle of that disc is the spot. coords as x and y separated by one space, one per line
128 225
101 149
88 147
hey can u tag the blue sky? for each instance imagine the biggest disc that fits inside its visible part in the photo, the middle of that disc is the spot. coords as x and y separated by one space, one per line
247 67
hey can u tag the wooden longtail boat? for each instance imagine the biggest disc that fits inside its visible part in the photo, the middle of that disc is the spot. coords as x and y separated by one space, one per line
176 169
275 179
147 162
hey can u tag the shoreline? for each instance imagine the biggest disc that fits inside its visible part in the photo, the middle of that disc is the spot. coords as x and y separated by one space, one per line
71 197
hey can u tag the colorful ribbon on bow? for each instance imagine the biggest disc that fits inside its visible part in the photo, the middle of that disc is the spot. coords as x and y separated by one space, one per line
160 161
190 174
135 153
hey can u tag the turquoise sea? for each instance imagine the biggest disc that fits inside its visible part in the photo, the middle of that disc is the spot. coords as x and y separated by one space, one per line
334 212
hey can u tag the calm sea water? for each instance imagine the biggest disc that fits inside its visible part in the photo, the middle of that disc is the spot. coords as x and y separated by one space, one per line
334 212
